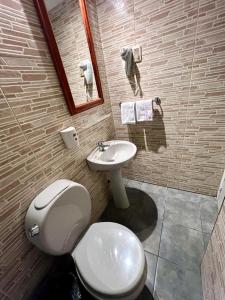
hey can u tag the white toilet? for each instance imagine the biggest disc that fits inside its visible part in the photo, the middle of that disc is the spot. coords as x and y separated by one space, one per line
109 258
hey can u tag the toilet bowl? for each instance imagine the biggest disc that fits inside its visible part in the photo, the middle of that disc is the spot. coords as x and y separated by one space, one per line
109 258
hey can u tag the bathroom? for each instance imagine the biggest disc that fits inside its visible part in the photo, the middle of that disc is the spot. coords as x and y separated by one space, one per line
177 170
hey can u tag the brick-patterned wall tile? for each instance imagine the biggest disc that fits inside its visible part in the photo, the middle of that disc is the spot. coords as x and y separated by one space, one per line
32 111
213 264
21 178
182 63
203 158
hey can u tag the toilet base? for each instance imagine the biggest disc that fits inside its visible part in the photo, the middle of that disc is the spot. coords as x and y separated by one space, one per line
133 295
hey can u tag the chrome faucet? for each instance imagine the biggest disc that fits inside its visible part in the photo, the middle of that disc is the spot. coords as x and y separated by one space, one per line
102 146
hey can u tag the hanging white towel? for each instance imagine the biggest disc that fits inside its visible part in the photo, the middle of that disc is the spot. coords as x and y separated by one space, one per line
128 113
144 110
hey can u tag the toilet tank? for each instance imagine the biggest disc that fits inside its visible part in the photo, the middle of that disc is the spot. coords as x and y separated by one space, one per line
57 217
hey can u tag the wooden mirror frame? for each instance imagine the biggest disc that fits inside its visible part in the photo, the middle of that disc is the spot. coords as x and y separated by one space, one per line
55 54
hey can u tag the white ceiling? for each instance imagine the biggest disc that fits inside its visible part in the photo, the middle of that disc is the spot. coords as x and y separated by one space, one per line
52 3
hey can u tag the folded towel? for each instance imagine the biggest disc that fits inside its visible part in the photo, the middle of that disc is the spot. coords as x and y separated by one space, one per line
128 113
144 110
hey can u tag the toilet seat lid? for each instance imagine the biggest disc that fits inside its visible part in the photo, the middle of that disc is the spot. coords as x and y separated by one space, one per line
110 258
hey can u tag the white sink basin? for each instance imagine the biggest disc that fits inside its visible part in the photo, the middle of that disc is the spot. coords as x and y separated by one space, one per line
114 156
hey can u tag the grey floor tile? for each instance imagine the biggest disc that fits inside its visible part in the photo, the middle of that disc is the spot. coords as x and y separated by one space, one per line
151 263
154 189
207 226
125 180
151 237
209 211
182 212
175 283
184 195
181 245
206 238
132 183
169 223
158 194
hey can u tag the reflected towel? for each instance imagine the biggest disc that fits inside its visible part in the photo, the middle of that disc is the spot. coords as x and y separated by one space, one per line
128 113
144 110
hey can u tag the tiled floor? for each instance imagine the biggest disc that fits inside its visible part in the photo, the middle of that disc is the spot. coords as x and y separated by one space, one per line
175 247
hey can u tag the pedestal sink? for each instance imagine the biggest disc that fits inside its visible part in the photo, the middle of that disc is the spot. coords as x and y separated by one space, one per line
116 154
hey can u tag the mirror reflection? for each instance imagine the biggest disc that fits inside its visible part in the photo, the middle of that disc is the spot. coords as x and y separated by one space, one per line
66 20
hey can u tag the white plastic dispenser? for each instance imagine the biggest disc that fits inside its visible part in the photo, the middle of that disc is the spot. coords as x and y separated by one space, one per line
70 137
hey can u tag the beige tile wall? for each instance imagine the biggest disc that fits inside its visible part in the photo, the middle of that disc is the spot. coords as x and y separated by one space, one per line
183 63
32 154
71 39
213 264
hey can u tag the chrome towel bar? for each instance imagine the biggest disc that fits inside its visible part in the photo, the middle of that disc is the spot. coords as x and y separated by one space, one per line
157 101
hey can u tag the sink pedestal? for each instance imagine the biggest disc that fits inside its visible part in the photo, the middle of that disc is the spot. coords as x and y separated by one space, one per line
116 154
118 189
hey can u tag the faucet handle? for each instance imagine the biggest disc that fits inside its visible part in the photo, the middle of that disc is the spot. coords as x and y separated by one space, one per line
102 146
100 143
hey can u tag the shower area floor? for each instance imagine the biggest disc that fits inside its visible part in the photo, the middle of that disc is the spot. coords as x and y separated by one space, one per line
174 227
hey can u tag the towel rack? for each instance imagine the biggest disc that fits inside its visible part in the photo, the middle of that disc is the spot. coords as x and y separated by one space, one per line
157 101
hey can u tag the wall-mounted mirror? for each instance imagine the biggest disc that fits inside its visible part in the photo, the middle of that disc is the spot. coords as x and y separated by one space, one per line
68 33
